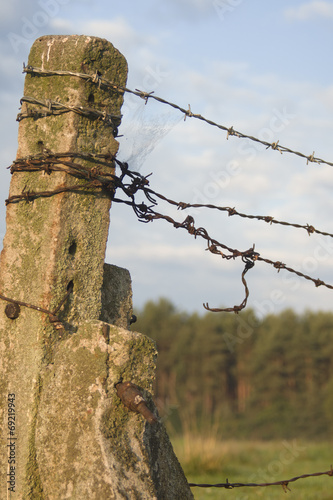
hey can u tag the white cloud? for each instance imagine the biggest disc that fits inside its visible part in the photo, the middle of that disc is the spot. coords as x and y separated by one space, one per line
326 96
60 24
307 11
189 9
146 69
156 253
12 12
117 30
7 10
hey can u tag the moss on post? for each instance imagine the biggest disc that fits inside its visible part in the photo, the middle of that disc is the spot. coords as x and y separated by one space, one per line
37 263
73 438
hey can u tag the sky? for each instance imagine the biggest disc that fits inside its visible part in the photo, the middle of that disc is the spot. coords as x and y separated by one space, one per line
263 68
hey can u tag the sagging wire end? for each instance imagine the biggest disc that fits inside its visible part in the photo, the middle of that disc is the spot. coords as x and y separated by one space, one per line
249 258
133 399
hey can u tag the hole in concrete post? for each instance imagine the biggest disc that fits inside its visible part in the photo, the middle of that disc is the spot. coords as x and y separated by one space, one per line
72 249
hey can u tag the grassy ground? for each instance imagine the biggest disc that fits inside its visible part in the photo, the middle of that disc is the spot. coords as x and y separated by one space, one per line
210 460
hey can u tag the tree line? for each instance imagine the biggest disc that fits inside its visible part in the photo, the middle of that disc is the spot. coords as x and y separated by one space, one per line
262 378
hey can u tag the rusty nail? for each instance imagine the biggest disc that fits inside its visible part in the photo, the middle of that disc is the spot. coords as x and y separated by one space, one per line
132 398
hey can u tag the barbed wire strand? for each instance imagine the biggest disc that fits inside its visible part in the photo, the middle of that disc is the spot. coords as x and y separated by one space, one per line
58 108
266 218
283 483
102 82
53 315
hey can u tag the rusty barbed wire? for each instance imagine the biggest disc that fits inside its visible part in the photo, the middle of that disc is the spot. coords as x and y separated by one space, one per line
283 483
49 159
53 315
266 218
131 183
143 214
32 195
58 108
103 83
236 309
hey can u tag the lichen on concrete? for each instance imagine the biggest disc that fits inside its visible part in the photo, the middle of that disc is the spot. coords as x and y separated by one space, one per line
75 438
117 307
36 265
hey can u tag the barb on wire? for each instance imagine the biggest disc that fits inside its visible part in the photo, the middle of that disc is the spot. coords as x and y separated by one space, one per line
103 83
284 483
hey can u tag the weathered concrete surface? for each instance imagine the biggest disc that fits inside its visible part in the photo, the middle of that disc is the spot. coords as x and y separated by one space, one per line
73 438
117 305
52 241
98 448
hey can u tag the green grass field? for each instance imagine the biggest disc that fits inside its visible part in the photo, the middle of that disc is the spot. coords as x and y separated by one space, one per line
210 460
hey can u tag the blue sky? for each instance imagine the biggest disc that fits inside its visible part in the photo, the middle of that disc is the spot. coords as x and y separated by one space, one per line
262 67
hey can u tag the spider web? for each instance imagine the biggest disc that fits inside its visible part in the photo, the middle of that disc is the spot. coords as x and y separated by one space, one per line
142 130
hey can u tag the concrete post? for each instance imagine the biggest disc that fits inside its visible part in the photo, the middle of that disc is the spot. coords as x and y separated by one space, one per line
64 433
